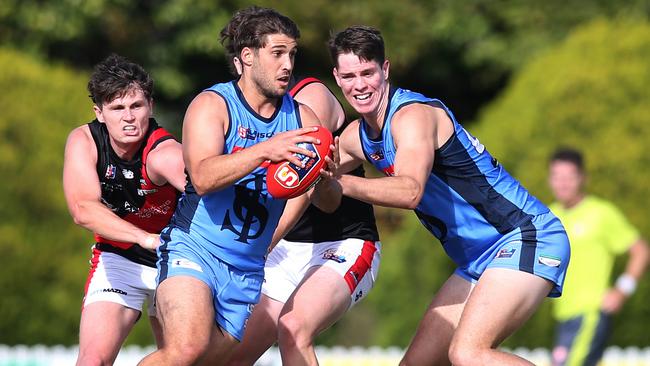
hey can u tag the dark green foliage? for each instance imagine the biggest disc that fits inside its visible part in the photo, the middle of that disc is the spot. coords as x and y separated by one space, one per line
44 261
462 51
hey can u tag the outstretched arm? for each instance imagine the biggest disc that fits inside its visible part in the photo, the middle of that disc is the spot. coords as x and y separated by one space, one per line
83 194
414 131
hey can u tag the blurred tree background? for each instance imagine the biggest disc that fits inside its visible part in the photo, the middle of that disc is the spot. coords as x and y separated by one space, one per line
524 77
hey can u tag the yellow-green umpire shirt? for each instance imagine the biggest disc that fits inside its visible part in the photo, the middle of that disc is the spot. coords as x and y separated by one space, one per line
598 232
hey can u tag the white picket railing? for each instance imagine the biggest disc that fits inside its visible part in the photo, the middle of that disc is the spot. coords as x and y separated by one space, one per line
332 356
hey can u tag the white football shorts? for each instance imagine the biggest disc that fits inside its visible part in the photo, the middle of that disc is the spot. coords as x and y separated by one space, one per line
114 278
356 260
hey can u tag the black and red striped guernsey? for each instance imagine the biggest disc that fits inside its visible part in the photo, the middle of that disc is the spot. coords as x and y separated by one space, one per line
353 218
130 194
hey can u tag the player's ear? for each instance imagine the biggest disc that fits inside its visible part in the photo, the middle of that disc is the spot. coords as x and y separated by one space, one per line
237 63
98 113
386 68
335 72
247 55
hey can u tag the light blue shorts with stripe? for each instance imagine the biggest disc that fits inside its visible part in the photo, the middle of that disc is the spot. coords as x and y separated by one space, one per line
234 292
539 246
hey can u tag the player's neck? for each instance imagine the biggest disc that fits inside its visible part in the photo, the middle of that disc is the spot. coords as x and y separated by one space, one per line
263 105
376 119
125 151
573 201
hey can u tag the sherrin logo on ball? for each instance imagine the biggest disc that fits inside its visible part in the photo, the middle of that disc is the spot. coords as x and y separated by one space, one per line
286 180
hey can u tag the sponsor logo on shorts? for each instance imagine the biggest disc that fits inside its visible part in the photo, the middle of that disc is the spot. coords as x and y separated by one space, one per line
331 254
506 253
110 289
550 261
358 296
185 263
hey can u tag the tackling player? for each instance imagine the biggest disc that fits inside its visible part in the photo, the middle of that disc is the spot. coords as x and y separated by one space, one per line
122 174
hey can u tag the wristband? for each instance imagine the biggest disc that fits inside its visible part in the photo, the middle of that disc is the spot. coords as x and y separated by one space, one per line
149 242
626 284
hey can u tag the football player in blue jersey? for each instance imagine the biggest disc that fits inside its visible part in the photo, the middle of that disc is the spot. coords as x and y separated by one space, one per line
212 254
511 251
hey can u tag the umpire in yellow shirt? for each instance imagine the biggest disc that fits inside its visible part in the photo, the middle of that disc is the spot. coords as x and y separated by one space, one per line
598 232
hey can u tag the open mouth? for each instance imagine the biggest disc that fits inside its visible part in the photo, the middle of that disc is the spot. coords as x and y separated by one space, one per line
129 129
362 97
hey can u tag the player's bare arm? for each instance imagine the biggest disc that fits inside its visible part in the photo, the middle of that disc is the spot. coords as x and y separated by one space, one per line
204 129
323 104
414 130
82 192
325 195
165 165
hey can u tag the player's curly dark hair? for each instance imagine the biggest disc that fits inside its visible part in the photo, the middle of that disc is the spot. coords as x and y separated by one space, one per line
361 40
249 27
115 76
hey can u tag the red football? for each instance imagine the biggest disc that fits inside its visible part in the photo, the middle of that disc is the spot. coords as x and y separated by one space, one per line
286 180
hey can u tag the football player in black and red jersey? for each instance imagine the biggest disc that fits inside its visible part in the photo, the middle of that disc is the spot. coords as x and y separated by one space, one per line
122 176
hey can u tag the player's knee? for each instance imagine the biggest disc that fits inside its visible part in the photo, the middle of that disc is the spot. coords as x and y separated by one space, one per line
461 354
185 352
292 332
89 359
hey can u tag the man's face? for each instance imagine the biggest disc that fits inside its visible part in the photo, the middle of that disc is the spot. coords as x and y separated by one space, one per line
272 65
362 82
565 180
127 116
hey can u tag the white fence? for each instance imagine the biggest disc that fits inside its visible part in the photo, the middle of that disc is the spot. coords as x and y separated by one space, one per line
335 356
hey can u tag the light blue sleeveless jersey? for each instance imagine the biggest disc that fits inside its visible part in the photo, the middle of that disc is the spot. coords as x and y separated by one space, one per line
236 223
470 202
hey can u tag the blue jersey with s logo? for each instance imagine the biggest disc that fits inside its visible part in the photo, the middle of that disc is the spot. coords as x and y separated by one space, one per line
470 201
237 222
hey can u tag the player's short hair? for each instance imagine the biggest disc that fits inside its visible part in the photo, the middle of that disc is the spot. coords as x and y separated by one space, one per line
361 40
249 27
114 77
569 155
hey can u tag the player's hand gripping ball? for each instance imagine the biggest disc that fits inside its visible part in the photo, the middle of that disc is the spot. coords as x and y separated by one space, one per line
285 180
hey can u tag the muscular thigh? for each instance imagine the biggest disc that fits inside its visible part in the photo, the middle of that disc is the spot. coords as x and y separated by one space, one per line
185 309
501 302
432 339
